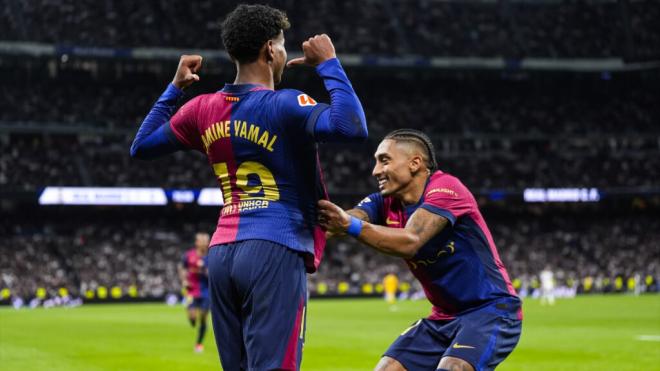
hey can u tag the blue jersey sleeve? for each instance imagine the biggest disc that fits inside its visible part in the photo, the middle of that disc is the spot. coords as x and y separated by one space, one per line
342 120
300 110
373 206
345 120
154 138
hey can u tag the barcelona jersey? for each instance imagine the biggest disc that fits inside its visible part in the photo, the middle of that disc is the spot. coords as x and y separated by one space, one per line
196 274
260 145
459 268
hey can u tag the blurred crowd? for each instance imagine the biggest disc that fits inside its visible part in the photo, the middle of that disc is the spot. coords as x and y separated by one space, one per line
447 106
70 122
423 27
491 133
28 163
84 257
140 257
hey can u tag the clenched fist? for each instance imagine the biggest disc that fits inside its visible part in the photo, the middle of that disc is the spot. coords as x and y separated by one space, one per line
316 50
186 73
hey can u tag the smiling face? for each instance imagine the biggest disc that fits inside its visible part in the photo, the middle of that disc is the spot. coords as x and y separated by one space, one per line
396 166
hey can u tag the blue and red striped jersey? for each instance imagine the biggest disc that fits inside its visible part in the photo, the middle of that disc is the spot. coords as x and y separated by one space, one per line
459 268
196 273
260 145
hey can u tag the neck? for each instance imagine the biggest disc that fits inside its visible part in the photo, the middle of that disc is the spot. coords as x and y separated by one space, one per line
255 73
412 193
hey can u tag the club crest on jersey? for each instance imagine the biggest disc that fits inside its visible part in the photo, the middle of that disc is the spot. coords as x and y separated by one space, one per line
305 100
364 201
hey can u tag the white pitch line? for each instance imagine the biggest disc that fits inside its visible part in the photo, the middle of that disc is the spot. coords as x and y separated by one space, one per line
648 337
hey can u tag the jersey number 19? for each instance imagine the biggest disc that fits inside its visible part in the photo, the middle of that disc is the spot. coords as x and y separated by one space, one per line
253 182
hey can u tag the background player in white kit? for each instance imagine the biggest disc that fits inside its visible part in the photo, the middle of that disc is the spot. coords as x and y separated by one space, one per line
547 286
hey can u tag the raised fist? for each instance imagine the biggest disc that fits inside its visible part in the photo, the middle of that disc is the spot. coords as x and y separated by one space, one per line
316 50
186 73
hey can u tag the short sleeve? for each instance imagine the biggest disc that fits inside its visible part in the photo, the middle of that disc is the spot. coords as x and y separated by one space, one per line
184 125
184 261
299 109
448 197
373 206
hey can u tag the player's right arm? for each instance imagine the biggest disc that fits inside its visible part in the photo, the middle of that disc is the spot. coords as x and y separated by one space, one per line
401 242
358 213
344 119
368 210
155 138
446 199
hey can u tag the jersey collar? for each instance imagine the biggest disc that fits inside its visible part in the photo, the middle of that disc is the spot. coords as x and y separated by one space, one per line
242 88
411 208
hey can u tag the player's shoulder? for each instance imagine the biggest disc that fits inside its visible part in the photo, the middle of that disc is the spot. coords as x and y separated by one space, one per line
294 97
191 105
373 199
447 184
440 177
202 98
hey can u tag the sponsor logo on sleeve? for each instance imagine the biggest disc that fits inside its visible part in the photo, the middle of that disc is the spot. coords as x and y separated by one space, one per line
305 100
448 191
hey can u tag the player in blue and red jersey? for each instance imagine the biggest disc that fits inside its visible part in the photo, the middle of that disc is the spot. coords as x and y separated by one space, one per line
431 219
261 146
193 272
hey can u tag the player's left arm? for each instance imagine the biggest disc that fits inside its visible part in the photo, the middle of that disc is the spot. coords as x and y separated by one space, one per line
344 119
401 242
155 138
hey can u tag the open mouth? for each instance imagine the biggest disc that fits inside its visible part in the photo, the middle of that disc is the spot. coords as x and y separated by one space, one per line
382 183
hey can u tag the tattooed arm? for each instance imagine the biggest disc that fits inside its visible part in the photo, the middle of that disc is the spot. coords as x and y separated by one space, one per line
402 242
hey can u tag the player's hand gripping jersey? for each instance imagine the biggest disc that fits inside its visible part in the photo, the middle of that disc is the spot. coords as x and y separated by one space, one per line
261 146
460 268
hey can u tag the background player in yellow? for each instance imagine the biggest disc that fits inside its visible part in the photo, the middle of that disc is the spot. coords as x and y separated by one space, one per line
391 284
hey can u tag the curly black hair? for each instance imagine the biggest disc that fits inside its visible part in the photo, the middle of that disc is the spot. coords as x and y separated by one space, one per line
248 27
418 138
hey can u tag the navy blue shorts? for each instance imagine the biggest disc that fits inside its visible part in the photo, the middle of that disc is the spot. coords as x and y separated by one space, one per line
258 300
202 303
483 338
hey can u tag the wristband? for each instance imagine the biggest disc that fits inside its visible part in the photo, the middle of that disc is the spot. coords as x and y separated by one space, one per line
355 227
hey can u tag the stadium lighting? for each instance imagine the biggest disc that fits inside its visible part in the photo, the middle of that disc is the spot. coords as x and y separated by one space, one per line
561 195
210 197
102 196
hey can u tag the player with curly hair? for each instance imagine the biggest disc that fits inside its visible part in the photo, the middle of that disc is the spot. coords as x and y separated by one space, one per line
261 144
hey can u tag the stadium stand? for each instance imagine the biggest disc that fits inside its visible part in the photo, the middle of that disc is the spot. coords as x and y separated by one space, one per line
424 27
67 120
125 252
493 133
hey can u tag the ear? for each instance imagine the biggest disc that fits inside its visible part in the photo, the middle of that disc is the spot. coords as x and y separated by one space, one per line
270 51
415 164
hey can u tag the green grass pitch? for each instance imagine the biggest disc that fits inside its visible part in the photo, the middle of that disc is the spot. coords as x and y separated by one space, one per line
586 333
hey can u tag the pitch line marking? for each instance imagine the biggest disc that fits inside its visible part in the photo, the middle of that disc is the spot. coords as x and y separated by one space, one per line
648 337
